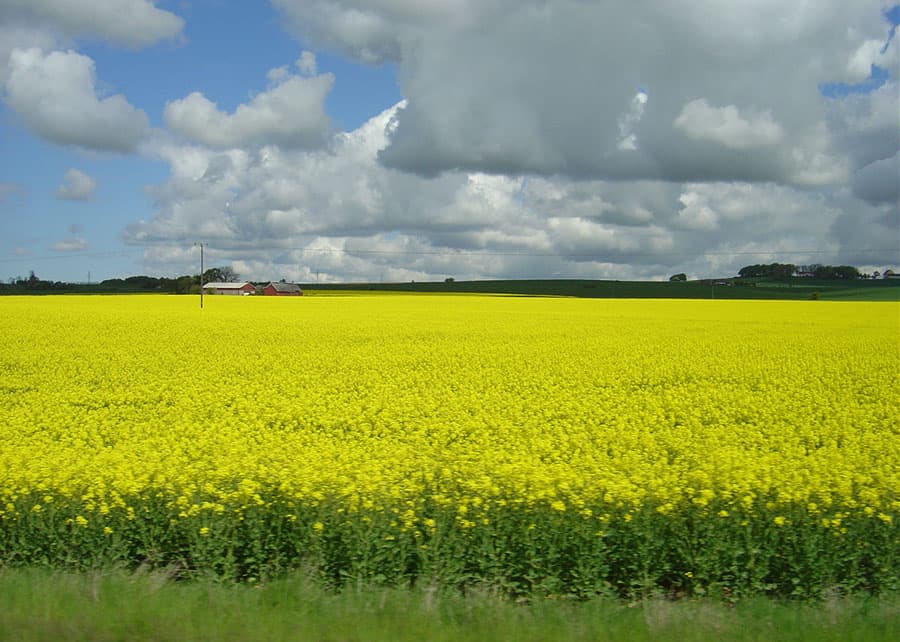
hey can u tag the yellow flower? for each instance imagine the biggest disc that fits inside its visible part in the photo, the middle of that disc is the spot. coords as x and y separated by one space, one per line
494 406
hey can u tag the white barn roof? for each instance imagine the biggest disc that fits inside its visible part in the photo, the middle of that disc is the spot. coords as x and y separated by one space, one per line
226 286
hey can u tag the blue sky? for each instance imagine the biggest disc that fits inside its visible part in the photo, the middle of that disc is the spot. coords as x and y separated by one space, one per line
392 140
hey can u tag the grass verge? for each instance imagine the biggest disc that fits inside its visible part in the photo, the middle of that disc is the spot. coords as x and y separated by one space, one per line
37 604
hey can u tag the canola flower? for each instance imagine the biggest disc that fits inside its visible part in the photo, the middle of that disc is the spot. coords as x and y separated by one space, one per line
555 445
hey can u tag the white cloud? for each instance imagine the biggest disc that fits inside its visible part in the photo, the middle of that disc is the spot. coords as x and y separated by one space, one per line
74 244
306 63
865 126
133 23
76 186
13 36
542 90
870 52
54 95
337 214
726 126
290 114
629 120
864 129
696 214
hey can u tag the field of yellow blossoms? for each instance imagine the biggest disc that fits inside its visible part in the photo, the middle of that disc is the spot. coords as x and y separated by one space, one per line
534 445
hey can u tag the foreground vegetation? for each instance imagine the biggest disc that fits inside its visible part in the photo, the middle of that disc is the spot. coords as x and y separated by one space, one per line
144 607
532 447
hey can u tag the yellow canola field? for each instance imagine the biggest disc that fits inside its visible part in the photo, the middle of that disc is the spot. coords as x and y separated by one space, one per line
411 403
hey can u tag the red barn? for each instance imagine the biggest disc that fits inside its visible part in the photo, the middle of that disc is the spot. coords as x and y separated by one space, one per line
282 289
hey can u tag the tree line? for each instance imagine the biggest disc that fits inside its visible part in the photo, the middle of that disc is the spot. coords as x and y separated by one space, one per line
185 284
787 270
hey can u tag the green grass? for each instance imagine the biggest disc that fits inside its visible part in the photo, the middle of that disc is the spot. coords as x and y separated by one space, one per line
796 289
39 604
863 294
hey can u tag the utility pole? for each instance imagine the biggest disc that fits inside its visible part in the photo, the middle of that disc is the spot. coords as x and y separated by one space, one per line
201 274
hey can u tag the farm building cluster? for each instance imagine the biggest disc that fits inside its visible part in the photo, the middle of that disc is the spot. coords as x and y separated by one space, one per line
245 288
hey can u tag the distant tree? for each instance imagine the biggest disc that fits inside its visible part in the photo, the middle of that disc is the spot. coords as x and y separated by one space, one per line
142 282
184 284
841 272
752 271
449 279
224 274
681 276
782 270
770 271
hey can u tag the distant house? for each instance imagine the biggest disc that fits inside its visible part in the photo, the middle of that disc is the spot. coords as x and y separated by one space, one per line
890 274
282 289
234 289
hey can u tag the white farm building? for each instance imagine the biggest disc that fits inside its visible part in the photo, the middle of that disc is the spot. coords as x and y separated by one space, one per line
235 289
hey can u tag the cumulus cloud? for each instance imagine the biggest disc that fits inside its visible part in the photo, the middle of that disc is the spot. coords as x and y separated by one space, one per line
17 36
338 214
879 182
546 89
306 63
76 186
569 139
629 121
133 23
289 114
727 126
869 53
864 129
74 244
55 96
